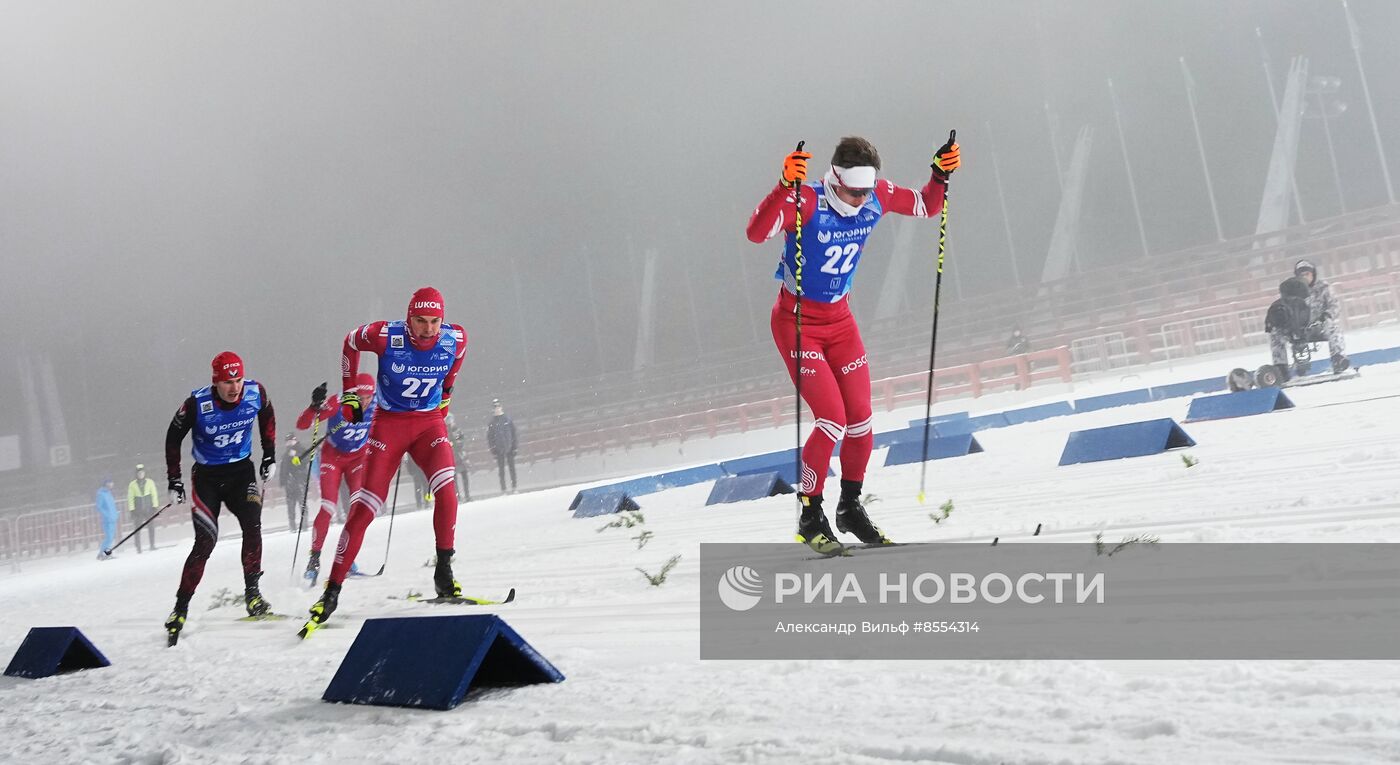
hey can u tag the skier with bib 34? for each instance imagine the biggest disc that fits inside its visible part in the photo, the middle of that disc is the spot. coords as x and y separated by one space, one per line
222 419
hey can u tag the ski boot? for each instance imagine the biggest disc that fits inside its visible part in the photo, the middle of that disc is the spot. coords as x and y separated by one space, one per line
446 586
176 621
813 529
851 517
313 568
1340 363
322 609
257 604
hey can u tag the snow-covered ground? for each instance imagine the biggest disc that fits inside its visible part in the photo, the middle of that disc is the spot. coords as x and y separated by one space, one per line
636 691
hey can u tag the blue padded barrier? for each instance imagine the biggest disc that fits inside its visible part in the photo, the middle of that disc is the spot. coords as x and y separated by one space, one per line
971 424
604 503
1177 390
1240 404
54 650
937 418
1135 439
1036 413
740 488
431 662
943 447
1110 400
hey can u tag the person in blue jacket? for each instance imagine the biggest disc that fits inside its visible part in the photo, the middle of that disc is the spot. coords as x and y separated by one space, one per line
107 509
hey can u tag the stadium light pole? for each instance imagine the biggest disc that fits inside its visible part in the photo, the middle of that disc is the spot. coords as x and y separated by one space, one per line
1005 216
1370 107
1201 146
1273 99
1326 109
1132 185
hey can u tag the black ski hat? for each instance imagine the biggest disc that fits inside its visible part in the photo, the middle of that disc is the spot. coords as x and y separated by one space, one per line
1304 265
1294 287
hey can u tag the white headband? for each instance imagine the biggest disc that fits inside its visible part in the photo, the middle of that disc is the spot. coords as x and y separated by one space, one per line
862 177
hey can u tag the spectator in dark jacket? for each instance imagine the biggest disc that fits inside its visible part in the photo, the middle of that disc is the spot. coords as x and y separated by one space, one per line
464 463
294 485
500 437
1017 343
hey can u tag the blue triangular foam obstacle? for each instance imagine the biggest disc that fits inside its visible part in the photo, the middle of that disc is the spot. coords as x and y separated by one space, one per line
54 650
431 662
943 447
1135 439
589 505
1240 404
739 488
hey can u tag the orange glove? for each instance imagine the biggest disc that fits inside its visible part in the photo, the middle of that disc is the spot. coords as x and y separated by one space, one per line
946 159
795 168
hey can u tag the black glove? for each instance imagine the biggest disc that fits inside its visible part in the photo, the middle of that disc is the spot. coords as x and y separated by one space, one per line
318 396
268 466
177 491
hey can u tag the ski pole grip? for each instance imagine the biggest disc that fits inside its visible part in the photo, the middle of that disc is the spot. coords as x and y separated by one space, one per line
952 136
800 144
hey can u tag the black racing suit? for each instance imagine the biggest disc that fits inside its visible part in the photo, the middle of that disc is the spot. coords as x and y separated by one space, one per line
212 486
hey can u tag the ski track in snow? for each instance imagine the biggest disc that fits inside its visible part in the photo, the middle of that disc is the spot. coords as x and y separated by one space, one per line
235 692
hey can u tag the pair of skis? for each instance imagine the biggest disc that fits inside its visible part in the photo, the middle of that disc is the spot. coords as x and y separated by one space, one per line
173 637
459 600
311 626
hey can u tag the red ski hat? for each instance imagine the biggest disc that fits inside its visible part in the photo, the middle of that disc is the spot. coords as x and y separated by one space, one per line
427 301
364 384
227 366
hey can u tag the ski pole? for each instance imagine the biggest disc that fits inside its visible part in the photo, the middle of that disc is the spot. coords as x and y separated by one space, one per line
933 340
305 493
143 525
797 242
393 505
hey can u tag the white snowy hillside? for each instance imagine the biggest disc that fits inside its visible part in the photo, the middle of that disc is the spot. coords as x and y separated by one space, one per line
636 691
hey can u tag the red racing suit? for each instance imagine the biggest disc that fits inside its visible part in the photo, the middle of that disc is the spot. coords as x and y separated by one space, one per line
835 372
420 434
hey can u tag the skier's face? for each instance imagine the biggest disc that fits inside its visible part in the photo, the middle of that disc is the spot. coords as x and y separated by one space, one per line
425 327
230 390
1307 276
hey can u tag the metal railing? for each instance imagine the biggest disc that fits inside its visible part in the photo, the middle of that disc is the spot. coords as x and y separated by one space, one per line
1021 371
48 532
